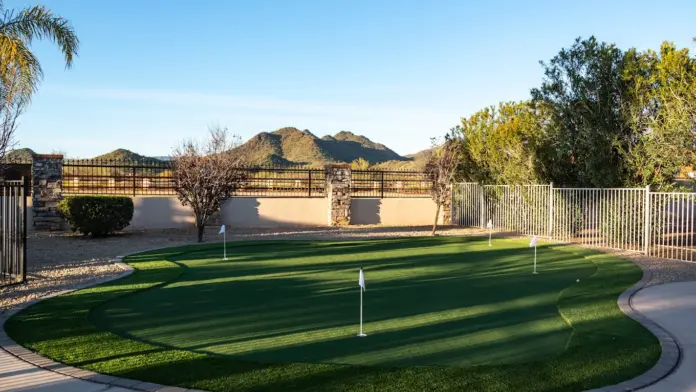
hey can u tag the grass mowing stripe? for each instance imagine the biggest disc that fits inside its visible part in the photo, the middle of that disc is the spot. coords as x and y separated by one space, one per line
606 348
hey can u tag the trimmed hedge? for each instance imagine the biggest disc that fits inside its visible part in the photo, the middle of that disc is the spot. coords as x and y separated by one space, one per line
96 215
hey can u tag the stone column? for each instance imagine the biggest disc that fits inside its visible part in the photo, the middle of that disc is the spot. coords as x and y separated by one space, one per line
338 178
47 184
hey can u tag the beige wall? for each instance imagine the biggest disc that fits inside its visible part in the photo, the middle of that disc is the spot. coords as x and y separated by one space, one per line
274 211
160 212
393 211
166 212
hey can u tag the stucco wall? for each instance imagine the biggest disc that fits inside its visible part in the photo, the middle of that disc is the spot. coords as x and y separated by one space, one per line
393 211
274 211
160 212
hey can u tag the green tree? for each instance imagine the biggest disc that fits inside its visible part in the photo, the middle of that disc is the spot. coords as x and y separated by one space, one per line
583 88
18 29
500 145
360 164
660 110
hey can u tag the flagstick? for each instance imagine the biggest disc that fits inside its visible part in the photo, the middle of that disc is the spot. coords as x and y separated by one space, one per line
534 260
361 334
489 236
224 245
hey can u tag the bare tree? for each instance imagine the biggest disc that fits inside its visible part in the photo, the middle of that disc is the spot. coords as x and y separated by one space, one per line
11 106
440 170
206 173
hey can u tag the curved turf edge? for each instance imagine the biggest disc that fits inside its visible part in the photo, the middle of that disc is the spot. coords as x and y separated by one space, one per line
606 347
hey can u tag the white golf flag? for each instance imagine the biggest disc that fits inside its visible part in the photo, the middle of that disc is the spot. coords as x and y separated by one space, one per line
361 280
533 242
222 229
490 224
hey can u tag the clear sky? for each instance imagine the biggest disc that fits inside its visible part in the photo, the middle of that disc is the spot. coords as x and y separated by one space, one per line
152 72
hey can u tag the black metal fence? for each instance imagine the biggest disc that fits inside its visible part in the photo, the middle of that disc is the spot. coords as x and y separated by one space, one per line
13 226
155 178
389 183
112 177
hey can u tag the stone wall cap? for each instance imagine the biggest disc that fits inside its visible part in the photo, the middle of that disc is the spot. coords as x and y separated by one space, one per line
339 165
48 156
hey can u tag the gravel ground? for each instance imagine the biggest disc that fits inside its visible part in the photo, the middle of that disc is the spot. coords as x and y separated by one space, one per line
59 261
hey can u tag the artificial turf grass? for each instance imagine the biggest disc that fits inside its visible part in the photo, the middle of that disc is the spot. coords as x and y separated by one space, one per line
298 303
606 347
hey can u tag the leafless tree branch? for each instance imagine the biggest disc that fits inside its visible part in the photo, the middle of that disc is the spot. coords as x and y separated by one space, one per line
206 173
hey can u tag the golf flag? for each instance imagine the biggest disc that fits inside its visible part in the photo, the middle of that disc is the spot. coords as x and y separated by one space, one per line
361 283
490 224
533 243
361 280
224 242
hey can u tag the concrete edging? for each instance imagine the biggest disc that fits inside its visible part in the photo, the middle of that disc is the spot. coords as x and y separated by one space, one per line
671 353
25 355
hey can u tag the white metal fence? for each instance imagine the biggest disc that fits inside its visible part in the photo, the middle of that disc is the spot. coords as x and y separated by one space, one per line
632 219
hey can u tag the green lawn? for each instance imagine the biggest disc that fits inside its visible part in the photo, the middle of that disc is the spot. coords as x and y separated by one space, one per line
440 313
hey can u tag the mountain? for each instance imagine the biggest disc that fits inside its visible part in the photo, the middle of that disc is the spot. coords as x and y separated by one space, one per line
290 146
122 154
415 161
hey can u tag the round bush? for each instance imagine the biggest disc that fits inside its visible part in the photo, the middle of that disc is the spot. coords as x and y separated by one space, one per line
96 215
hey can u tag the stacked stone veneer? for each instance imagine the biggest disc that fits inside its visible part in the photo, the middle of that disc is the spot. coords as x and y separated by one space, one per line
338 178
47 183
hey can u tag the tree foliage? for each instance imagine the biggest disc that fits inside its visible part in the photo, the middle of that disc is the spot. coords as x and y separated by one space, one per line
661 113
499 145
602 117
360 164
18 29
206 173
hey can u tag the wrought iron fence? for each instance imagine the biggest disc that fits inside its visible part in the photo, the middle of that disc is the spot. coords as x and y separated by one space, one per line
112 177
629 219
389 183
13 225
283 181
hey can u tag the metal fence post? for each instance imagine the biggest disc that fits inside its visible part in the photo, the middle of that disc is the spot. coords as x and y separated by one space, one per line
25 194
133 181
310 184
382 186
551 210
646 224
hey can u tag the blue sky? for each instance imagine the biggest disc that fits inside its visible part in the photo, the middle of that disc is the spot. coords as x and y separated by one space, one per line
151 73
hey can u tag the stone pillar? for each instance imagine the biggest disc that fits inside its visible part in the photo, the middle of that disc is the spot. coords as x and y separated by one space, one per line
338 178
47 183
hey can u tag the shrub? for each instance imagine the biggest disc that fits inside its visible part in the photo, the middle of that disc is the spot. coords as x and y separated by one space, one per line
96 215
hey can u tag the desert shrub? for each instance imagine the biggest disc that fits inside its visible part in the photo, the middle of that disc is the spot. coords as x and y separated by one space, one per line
96 215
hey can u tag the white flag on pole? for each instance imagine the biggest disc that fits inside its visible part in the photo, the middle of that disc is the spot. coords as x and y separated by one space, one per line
222 229
490 224
533 243
361 280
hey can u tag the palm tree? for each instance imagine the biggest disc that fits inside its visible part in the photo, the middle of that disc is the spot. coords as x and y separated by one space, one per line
20 70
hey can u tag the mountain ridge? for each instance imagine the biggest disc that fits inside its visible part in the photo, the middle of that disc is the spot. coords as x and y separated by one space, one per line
290 146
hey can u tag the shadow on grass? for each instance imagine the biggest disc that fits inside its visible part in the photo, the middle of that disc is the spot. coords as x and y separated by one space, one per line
606 347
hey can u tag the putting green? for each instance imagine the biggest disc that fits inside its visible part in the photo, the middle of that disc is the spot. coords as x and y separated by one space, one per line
282 316
428 302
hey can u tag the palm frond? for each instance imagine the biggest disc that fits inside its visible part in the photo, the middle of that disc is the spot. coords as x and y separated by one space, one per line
19 68
39 22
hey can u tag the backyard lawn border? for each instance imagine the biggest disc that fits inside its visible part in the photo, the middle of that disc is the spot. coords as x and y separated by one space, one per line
666 364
